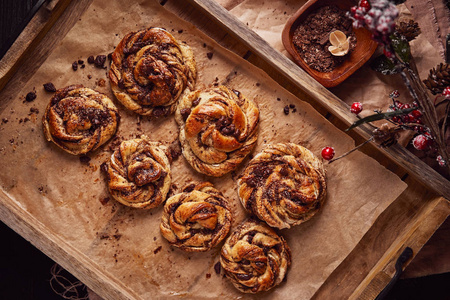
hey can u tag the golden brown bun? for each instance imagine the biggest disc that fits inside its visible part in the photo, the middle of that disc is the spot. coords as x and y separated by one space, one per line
255 257
150 69
284 185
218 129
79 120
197 219
139 174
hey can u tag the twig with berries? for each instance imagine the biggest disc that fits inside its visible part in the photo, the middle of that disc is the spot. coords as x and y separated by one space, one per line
379 16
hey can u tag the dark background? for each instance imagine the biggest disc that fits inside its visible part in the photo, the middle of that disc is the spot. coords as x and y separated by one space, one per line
26 273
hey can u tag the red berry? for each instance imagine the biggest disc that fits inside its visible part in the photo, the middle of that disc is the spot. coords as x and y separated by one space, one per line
406 106
395 119
446 92
365 4
353 10
416 113
420 142
328 153
356 107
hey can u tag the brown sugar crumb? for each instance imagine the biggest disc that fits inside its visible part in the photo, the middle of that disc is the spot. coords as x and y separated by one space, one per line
209 55
311 37
104 201
30 96
101 82
49 87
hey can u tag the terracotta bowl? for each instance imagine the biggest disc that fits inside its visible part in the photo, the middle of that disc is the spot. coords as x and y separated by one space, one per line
364 49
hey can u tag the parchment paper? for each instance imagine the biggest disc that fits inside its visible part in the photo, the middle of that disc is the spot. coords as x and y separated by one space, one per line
70 197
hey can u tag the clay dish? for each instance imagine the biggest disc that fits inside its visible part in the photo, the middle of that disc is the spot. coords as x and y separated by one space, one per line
363 50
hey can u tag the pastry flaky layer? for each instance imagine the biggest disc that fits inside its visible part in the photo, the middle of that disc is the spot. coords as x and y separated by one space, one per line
218 129
284 185
196 219
138 174
255 257
79 119
149 71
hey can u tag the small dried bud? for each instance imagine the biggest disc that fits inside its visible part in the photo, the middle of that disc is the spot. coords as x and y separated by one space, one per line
385 136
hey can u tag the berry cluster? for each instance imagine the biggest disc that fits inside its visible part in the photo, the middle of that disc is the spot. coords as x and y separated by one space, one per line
412 120
378 16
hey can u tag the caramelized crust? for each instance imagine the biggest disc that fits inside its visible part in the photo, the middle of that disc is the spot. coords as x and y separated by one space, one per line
150 69
79 120
284 185
218 129
254 257
197 219
139 174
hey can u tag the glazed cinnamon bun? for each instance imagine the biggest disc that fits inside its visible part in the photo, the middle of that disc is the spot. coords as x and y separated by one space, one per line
79 119
218 129
197 219
138 174
284 185
254 257
150 69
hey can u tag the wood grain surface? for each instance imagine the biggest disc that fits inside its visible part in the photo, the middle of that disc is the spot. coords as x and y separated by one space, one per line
409 221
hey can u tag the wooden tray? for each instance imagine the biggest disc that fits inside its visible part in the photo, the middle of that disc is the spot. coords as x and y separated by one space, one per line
409 221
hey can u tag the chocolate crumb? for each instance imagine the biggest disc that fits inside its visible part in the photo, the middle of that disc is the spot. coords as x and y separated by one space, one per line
82 66
175 150
75 66
85 159
294 110
157 250
89 76
208 275
185 112
204 45
91 59
4 120
117 236
217 267
110 56
158 112
100 61
196 102
49 87
104 168
209 55
80 62
30 96
292 105
286 110
258 84
104 201
278 99
180 31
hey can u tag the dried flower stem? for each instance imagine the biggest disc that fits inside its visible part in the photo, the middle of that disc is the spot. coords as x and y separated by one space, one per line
418 93
354 149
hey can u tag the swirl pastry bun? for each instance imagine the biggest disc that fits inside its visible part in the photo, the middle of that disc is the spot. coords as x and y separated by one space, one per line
197 219
139 174
254 257
150 69
79 119
284 185
218 129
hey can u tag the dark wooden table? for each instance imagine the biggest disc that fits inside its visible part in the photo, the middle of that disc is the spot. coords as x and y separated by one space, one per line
25 271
